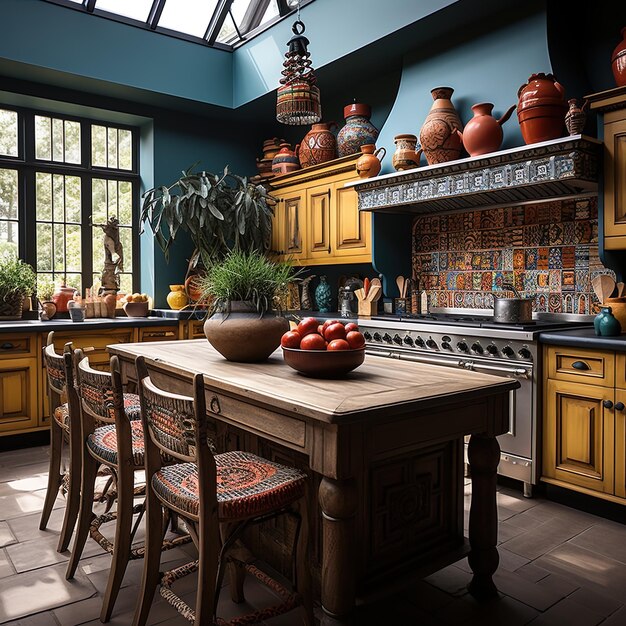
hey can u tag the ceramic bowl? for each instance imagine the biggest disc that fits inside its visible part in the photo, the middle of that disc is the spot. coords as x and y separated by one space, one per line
323 363
136 309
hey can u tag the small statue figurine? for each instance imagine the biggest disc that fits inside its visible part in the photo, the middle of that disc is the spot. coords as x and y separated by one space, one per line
113 255
305 300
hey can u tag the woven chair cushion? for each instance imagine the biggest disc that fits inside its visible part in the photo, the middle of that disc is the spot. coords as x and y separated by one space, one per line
62 416
247 485
103 443
131 407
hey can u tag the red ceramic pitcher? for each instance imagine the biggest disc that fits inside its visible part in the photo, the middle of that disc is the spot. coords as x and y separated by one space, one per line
541 108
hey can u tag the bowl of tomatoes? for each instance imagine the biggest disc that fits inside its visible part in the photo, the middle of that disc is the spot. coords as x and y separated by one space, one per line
328 350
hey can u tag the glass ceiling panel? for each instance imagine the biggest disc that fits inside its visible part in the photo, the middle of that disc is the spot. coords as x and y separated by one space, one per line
247 16
188 16
135 9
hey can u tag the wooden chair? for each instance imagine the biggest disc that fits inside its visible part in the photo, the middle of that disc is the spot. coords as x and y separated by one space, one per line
109 437
212 493
63 430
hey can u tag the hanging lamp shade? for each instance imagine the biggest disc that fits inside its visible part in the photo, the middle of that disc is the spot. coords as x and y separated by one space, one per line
298 101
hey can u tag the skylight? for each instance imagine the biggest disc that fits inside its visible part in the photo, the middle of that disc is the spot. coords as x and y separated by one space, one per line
222 23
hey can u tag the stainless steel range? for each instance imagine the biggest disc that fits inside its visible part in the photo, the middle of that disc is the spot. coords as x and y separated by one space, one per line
454 338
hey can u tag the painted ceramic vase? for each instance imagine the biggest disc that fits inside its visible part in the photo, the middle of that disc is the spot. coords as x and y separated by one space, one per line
618 61
318 146
483 133
286 160
369 163
438 137
541 108
405 157
61 297
323 296
605 323
576 117
358 130
177 298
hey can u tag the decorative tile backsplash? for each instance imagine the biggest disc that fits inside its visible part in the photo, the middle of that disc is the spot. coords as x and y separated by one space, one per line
549 250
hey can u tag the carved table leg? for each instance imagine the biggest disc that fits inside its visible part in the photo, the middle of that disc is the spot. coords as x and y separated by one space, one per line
338 501
484 456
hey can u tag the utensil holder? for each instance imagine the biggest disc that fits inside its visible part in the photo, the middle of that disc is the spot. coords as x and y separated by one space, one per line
400 306
77 314
618 306
367 308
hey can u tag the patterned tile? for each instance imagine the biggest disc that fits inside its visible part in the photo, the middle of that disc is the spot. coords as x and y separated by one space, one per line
543 280
582 280
555 303
555 281
568 257
541 303
543 214
542 258
582 211
507 259
531 259
582 258
568 280
568 210
555 258
569 233
583 232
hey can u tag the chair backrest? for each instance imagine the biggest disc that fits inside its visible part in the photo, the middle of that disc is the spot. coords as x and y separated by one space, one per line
56 366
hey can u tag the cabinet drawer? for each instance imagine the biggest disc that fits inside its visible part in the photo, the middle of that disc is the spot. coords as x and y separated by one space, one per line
159 333
12 346
94 344
580 365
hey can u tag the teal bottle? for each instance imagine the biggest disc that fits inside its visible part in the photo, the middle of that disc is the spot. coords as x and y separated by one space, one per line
322 296
606 324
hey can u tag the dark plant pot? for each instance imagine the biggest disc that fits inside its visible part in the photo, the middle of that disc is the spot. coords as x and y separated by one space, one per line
11 307
244 336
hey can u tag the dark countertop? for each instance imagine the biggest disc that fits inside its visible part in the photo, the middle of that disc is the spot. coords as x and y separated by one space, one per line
583 338
183 314
100 323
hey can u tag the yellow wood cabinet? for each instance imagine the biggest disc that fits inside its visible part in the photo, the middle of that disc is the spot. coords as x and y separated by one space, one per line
316 220
191 329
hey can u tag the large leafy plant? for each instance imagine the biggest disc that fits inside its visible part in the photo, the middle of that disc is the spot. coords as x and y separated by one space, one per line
220 212
16 277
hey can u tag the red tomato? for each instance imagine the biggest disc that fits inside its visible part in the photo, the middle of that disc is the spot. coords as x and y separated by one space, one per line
335 331
355 339
351 326
327 323
320 330
307 325
313 341
291 339
338 344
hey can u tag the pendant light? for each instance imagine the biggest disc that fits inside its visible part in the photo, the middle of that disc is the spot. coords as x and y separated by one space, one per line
298 102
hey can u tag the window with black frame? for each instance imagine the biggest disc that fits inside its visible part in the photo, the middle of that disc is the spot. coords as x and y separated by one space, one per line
60 179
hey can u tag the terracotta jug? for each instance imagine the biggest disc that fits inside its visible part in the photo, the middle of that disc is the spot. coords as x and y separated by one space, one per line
576 117
405 157
438 136
318 146
483 133
61 297
541 108
286 160
618 61
368 164
358 130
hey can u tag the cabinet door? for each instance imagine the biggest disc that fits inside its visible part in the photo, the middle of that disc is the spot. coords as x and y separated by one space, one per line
351 236
318 222
291 215
579 435
620 442
18 394
614 179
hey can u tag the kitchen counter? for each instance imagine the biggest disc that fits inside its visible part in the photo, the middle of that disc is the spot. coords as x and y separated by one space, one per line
100 323
583 338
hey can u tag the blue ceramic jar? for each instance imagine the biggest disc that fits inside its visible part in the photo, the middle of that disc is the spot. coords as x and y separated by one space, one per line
605 323
323 296
358 131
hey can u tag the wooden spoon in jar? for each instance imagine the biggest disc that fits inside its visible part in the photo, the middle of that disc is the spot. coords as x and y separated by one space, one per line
603 286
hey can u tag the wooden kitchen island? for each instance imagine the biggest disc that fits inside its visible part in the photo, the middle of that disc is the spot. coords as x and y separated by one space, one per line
385 445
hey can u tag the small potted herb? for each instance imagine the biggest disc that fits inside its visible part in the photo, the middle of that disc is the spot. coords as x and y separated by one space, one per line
17 280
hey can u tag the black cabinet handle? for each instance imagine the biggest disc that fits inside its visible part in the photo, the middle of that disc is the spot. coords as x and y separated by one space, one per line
580 365
619 406
607 404
7 345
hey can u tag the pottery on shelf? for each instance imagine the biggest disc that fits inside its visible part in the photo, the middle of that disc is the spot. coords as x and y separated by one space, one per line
323 296
177 298
541 108
618 61
286 160
243 335
606 324
405 157
62 296
357 131
318 146
438 137
48 310
575 117
483 133
369 163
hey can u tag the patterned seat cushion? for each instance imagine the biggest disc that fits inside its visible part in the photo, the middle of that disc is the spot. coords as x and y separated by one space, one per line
247 485
103 443
62 416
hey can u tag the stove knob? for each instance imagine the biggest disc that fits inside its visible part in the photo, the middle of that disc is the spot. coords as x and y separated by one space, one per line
419 342
524 353
377 337
446 345
508 351
408 340
477 348
397 339
431 343
461 346
367 336
387 338
492 349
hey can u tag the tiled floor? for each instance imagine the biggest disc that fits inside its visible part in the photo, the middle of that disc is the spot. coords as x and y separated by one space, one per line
557 566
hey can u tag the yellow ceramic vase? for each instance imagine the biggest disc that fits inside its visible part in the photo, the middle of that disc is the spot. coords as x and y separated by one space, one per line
177 298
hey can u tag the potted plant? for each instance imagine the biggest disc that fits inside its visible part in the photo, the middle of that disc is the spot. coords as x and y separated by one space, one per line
244 289
17 280
45 290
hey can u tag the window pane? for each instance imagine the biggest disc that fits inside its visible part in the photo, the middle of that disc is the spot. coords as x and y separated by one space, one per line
58 141
125 194
72 199
72 142
8 133
228 34
44 247
135 9
43 138
126 239
98 201
112 199
9 237
58 198
43 198
58 233
98 146
73 247
112 147
125 149
9 194
72 280
126 283
188 16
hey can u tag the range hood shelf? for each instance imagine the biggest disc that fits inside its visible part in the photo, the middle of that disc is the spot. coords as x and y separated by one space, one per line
560 168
